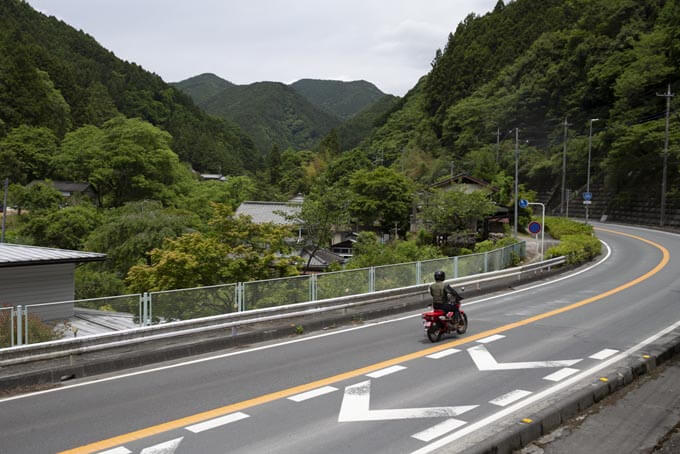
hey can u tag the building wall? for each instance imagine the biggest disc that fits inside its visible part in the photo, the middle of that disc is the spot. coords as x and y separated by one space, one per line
33 284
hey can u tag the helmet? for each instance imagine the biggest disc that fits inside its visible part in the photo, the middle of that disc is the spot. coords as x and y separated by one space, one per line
439 276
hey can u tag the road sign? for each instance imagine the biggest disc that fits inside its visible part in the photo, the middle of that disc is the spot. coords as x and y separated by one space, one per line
587 202
587 196
523 203
534 227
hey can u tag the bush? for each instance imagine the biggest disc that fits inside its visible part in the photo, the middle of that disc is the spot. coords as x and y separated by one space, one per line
559 227
576 248
38 331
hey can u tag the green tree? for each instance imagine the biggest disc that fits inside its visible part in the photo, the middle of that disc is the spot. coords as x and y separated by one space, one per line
232 192
456 211
369 251
64 228
26 152
125 160
382 196
36 197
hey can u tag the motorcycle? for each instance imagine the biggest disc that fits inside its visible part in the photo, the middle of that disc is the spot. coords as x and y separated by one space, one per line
436 323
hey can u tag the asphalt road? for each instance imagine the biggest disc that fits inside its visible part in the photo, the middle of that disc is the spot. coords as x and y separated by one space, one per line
376 387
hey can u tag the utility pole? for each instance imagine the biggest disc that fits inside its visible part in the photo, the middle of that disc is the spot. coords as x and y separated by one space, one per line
564 166
590 146
4 211
668 95
498 143
516 176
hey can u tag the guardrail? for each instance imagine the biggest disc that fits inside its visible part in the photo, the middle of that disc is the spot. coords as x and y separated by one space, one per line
231 325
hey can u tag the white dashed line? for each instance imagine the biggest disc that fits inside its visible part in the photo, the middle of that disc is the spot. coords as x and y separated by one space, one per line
217 422
512 396
118 450
604 354
443 353
561 374
387 371
489 339
439 430
313 393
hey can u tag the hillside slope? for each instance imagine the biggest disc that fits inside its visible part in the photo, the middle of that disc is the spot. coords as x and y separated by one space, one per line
339 98
202 87
55 76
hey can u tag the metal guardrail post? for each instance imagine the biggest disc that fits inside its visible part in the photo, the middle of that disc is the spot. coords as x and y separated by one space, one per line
149 311
26 325
237 297
19 325
312 288
455 267
140 306
486 261
371 279
11 326
419 273
145 309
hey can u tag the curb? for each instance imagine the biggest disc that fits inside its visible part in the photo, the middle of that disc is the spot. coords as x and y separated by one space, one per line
549 419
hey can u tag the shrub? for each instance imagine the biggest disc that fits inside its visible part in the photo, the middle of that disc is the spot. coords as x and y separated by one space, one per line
559 227
38 331
577 248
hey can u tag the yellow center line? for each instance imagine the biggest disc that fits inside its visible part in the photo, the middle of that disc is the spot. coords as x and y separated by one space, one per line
265 398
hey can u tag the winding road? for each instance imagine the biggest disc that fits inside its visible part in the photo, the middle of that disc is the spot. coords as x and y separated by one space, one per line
379 386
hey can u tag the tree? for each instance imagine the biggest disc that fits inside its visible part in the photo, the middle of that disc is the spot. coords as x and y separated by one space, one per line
232 192
455 211
369 251
63 228
125 160
382 196
26 152
36 197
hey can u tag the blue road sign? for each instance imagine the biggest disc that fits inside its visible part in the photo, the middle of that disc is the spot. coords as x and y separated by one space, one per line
587 196
535 227
523 203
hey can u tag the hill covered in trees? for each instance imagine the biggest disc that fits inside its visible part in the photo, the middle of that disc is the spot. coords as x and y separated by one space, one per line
54 76
297 115
339 98
531 64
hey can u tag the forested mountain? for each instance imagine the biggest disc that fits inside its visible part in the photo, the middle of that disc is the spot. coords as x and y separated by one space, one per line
358 127
271 113
341 99
202 87
54 76
531 64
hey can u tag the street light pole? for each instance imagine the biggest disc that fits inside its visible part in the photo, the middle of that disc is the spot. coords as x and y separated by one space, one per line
668 95
564 166
516 175
590 146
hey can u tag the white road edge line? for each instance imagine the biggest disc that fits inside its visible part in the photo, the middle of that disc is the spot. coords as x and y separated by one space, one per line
439 430
294 341
386 371
488 340
313 393
543 394
443 353
118 450
603 354
217 422
512 396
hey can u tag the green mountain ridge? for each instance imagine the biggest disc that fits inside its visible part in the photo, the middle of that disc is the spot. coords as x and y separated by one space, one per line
339 98
55 76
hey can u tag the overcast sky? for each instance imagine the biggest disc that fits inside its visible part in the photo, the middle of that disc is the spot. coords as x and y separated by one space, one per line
388 42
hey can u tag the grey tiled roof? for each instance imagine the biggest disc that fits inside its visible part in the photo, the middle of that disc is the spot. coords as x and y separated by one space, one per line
19 254
262 212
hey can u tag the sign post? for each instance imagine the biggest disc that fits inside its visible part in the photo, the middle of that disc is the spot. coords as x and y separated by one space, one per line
587 200
535 227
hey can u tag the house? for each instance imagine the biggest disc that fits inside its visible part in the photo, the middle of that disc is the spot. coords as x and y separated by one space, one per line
31 275
464 182
70 189
274 212
213 177
321 260
345 248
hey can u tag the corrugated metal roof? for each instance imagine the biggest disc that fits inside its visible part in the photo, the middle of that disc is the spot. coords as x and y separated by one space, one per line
19 254
262 212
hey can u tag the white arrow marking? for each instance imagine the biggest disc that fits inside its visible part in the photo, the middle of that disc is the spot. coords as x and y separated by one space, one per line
485 361
167 447
355 407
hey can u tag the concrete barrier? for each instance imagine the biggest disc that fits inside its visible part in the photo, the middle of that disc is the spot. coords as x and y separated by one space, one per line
51 362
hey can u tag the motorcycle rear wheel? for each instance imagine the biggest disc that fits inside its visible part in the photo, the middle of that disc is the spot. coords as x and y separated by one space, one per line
434 333
463 325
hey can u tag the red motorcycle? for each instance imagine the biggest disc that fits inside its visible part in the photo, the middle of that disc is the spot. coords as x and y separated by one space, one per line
437 323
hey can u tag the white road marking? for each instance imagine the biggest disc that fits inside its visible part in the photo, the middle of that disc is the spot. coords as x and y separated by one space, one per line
560 374
485 361
386 371
302 339
356 403
313 393
217 422
118 450
443 353
490 339
543 394
439 430
512 396
167 447
604 354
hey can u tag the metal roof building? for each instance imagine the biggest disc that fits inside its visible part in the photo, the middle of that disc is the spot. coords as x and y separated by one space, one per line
34 275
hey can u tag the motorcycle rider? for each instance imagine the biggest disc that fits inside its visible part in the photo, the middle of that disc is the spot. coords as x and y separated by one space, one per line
442 293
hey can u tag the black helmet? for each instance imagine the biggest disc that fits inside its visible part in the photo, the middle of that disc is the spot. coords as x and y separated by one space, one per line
439 276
